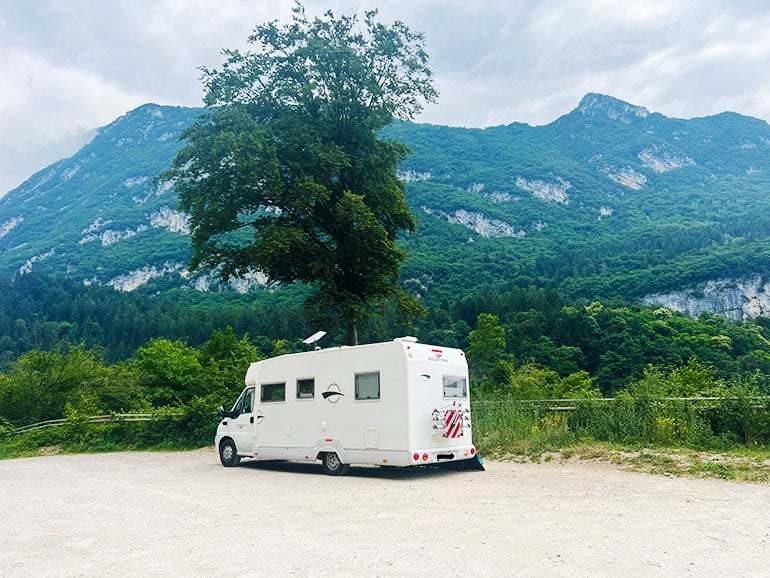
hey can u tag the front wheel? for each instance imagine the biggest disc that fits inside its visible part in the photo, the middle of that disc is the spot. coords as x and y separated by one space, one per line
228 455
333 466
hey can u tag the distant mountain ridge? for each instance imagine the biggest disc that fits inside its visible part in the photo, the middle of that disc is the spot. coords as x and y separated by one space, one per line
609 199
18 163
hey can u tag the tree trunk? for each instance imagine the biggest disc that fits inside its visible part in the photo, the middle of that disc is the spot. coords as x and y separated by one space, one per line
352 332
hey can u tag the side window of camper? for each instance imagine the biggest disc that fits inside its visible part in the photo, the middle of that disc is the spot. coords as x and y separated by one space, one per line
455 386
368 385
274 392
306 388
248 401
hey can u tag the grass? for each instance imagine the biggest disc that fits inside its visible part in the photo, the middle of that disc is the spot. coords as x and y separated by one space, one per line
632 437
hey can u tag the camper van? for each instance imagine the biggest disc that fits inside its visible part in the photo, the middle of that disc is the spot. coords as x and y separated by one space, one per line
398 403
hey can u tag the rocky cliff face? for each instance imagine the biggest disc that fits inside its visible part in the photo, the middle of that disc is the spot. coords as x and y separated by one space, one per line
736 299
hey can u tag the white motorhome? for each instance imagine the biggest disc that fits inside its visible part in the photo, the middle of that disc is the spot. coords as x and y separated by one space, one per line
399 403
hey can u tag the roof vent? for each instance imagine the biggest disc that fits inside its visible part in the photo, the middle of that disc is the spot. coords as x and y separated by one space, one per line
406 339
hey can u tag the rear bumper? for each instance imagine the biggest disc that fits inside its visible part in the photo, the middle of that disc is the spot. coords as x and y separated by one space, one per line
419 457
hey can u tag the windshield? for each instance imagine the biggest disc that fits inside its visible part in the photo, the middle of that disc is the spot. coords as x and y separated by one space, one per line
239 403
245 403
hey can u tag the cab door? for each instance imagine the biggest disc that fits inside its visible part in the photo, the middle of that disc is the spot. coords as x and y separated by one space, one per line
242 426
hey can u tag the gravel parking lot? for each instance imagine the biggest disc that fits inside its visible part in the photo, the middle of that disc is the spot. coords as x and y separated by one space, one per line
142 514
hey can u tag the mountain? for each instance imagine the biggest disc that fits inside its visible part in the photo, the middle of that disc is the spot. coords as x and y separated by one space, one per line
95 215
608 200
18 162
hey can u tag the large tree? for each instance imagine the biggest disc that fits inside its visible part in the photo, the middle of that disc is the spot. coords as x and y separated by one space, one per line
286 173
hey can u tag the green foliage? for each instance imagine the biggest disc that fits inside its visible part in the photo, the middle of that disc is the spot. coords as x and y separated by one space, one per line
286 172
73 381
642 356
576 385
38 312
486 343
529 382
185 427
632 420
41 384
614 343
171 371
225 355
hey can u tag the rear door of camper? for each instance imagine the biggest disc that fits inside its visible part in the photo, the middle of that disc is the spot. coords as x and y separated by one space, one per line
439 397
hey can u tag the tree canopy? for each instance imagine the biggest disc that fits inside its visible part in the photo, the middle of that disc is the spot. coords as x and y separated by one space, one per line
287 174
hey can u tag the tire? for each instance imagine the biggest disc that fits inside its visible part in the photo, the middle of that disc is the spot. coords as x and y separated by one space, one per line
228 454
332 466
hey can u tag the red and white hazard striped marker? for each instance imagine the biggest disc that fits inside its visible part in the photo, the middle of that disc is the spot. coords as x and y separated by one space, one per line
453 424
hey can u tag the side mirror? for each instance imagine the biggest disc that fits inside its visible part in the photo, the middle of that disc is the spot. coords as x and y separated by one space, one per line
221 412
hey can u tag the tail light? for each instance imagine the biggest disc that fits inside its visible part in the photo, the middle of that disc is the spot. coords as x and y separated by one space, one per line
425 457
473 451
416 456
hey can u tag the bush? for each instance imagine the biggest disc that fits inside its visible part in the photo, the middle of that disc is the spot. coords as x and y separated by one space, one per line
187 427
41 384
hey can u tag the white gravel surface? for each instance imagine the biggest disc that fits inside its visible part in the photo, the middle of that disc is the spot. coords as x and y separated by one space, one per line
143 514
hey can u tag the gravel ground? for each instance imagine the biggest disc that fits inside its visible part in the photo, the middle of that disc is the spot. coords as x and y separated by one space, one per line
140 514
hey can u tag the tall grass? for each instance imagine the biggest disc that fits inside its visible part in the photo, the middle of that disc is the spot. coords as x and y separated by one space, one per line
532 427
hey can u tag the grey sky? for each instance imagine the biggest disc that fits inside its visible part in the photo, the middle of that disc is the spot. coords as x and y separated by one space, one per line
71 65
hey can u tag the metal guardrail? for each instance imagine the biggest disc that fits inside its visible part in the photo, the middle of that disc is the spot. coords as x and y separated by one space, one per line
113 417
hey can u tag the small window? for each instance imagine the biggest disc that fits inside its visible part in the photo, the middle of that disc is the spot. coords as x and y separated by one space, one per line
306 388
455 386
274 392
248 401
368 385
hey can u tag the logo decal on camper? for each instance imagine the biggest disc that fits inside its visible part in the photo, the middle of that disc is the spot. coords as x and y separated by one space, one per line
437 355
332 393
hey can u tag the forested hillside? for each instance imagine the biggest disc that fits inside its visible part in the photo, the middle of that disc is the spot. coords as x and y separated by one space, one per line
73 351
608 200
611 343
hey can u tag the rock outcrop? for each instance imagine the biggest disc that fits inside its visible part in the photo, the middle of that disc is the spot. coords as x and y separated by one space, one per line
736 299
10 225
626 177
551 192
661 160
477 222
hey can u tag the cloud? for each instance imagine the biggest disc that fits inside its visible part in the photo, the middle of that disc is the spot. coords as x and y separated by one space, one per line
75 64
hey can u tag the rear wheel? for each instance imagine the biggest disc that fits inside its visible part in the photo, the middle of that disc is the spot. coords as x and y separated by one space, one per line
228 454
333 466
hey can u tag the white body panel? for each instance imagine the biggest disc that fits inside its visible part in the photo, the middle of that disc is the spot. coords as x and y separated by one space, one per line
407 419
